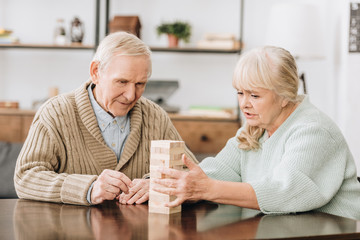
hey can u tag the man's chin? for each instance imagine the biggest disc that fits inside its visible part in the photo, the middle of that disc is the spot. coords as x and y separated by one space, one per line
119 113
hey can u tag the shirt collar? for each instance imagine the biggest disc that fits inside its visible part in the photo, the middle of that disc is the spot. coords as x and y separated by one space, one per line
104 118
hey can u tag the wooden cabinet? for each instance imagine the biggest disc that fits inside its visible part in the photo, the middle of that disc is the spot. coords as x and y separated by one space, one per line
15 124
205 135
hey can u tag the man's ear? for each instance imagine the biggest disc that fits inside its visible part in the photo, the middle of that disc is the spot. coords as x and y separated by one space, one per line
94 71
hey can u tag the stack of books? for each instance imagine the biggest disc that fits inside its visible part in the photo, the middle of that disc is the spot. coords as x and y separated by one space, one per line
6 38
210 111
219 41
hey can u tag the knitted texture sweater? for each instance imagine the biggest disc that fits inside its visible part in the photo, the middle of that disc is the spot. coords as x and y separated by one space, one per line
305 165
65 151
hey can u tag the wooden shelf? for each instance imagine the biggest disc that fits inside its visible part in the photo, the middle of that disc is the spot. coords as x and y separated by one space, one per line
16 111
48 46
188 117
194 50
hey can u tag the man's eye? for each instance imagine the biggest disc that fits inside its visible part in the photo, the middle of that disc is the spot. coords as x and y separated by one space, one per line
254 96
140 84
240 93
122 83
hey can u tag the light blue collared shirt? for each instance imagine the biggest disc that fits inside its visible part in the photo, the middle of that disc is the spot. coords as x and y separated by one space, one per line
114 130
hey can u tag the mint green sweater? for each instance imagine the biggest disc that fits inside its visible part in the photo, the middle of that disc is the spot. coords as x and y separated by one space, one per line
305 165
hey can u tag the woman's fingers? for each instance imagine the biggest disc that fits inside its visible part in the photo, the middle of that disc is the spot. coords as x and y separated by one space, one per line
188 162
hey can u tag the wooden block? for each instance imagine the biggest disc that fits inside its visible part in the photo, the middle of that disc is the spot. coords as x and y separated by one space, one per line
165 149
167 144
164 153
156 220
179 167
160 198
154 173
159 160
165 210
163 222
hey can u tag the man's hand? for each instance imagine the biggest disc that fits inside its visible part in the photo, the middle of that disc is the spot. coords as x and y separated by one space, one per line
138 193
109 184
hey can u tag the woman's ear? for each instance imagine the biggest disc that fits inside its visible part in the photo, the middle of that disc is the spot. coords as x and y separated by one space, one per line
94 71
284 102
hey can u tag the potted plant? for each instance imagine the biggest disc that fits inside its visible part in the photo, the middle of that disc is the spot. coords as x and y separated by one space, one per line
176 31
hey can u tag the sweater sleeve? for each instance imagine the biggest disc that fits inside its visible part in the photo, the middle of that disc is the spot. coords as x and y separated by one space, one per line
36 175
309 174
226 164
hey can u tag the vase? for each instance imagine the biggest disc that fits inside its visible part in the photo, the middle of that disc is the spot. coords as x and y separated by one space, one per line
173 41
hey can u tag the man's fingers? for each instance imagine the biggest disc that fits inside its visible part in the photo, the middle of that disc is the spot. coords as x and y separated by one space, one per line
135 197
116 179
111 189
127 196
143 199
117 175
139 189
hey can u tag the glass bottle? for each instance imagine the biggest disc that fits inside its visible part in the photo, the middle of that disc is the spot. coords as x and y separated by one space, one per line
60 34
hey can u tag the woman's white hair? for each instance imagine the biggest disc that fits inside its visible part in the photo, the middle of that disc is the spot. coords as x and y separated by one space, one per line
267 67
120 43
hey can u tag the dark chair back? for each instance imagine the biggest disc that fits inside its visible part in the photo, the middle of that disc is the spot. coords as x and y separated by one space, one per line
8 156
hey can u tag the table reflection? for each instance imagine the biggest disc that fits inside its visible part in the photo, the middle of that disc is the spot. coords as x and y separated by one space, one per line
110 220
41 220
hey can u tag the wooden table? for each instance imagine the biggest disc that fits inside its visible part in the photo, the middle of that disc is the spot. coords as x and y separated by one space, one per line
24 219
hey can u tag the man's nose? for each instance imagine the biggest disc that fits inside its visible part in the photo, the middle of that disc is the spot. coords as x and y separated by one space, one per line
130 92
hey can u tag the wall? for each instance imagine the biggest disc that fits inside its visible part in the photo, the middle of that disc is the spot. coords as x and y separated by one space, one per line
348 85
27 74
205 79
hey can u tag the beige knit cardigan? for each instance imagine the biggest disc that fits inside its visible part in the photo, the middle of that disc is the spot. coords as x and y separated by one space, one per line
65 151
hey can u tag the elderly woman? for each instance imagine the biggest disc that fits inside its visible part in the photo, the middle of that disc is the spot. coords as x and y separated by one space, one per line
289 157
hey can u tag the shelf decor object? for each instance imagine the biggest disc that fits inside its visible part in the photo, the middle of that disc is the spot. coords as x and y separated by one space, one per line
129 24
297 28
176 31
76 31
60 33
221 41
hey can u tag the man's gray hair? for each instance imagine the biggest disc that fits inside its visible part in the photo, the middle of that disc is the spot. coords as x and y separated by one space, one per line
117 44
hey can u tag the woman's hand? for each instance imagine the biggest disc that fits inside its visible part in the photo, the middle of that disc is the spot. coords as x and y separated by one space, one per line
185 185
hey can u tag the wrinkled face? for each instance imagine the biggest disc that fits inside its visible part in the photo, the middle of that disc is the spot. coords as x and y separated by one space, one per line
121 83
262 108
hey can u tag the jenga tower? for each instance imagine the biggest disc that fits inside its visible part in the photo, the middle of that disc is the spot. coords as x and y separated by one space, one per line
164 153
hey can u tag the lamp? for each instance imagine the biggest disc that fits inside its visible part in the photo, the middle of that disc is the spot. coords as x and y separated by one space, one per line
297 28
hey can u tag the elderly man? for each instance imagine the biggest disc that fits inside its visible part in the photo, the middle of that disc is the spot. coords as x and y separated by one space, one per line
93 144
